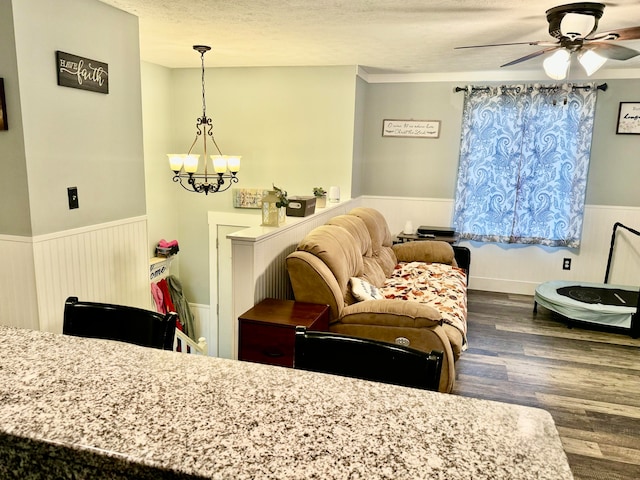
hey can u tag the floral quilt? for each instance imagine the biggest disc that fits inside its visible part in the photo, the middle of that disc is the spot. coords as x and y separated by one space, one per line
442 286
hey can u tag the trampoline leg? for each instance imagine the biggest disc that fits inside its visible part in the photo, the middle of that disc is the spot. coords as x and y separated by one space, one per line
535 307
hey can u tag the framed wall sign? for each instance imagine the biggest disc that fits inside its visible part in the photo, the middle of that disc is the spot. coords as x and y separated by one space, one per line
248 197
629 118
4 125
82 73
411 128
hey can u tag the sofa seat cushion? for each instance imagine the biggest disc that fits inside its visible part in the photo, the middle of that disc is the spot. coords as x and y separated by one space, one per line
439 285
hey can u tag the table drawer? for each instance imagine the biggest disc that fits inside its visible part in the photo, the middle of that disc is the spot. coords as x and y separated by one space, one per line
266 344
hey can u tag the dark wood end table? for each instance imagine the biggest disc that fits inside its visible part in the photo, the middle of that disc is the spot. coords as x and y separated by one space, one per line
267 331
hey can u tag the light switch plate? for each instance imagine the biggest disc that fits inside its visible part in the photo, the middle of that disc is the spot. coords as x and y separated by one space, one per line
72 193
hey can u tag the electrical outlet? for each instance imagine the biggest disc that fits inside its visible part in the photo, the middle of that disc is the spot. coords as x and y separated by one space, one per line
566 264
72 193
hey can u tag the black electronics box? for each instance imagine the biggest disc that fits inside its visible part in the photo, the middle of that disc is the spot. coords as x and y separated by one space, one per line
438 231
301 206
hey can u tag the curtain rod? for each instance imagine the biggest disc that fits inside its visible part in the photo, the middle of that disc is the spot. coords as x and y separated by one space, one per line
602 86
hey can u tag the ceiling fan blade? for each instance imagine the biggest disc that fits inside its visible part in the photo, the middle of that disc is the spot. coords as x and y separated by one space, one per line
504 44
631 33
530 56
610 50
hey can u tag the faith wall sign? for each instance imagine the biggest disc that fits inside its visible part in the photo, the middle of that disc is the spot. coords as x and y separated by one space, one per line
82 73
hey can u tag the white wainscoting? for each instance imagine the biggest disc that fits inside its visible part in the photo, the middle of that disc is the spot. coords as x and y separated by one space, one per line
520 268
104 263
201 318
18 297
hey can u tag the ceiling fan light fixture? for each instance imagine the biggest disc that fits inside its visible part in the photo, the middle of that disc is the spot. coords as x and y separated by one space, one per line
556 65
574 20
577 25
591 61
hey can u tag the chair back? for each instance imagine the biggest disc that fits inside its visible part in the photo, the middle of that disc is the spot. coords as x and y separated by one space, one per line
367 359
118 322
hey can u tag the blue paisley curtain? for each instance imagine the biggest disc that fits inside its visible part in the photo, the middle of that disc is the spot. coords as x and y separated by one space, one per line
524 159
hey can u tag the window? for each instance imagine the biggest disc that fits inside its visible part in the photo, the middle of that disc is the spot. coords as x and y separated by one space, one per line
524 158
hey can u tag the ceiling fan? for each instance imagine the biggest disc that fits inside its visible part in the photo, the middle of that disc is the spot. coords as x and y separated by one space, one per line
574 26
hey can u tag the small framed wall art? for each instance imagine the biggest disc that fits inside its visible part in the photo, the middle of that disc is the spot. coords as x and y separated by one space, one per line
411 128
629 118
248 197
4 125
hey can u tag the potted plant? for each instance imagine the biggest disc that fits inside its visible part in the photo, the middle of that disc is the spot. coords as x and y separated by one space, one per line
321 197
283 201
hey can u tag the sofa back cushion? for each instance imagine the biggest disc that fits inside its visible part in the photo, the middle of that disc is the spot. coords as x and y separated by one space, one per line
357 228
339 251
372 272
381 239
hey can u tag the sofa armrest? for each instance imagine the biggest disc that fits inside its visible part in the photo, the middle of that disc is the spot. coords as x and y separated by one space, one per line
426 251
399 313
387 321
313 282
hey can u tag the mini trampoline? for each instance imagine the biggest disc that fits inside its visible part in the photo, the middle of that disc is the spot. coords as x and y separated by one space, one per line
597 303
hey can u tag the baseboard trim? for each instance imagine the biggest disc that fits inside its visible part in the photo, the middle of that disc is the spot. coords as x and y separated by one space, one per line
502 285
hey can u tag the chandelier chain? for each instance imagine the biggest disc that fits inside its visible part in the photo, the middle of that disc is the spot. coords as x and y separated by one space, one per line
204 102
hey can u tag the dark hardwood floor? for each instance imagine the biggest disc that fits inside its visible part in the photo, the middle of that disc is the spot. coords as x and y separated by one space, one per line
588 380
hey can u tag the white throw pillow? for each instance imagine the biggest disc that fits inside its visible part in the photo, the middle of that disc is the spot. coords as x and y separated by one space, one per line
363 290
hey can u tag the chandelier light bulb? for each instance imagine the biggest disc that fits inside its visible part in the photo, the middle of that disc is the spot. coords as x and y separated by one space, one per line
233 163
219 163
176 161
191 163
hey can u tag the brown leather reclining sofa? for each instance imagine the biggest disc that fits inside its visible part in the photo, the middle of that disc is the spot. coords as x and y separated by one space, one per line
359 245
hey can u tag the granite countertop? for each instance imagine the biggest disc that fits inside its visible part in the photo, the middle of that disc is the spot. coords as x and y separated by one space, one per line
83 408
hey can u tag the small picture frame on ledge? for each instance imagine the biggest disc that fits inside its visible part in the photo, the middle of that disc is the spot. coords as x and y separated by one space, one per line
4 125
248 197
629 118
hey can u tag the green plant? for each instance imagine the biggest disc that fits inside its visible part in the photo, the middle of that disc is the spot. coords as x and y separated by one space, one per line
283 201
319 191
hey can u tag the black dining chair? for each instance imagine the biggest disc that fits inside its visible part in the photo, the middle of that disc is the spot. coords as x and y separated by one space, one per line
118 322
366 359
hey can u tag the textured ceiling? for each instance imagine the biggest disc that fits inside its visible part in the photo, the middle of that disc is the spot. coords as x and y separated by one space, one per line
381 36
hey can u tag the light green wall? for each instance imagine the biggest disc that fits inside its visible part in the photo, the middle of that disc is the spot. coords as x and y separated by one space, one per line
75 137
359 138
422 167
15 218
162 207
293 126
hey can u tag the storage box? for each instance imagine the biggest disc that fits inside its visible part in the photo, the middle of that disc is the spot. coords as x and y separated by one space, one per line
301 206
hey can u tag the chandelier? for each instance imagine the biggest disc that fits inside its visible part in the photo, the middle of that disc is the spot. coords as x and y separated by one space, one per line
185 166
